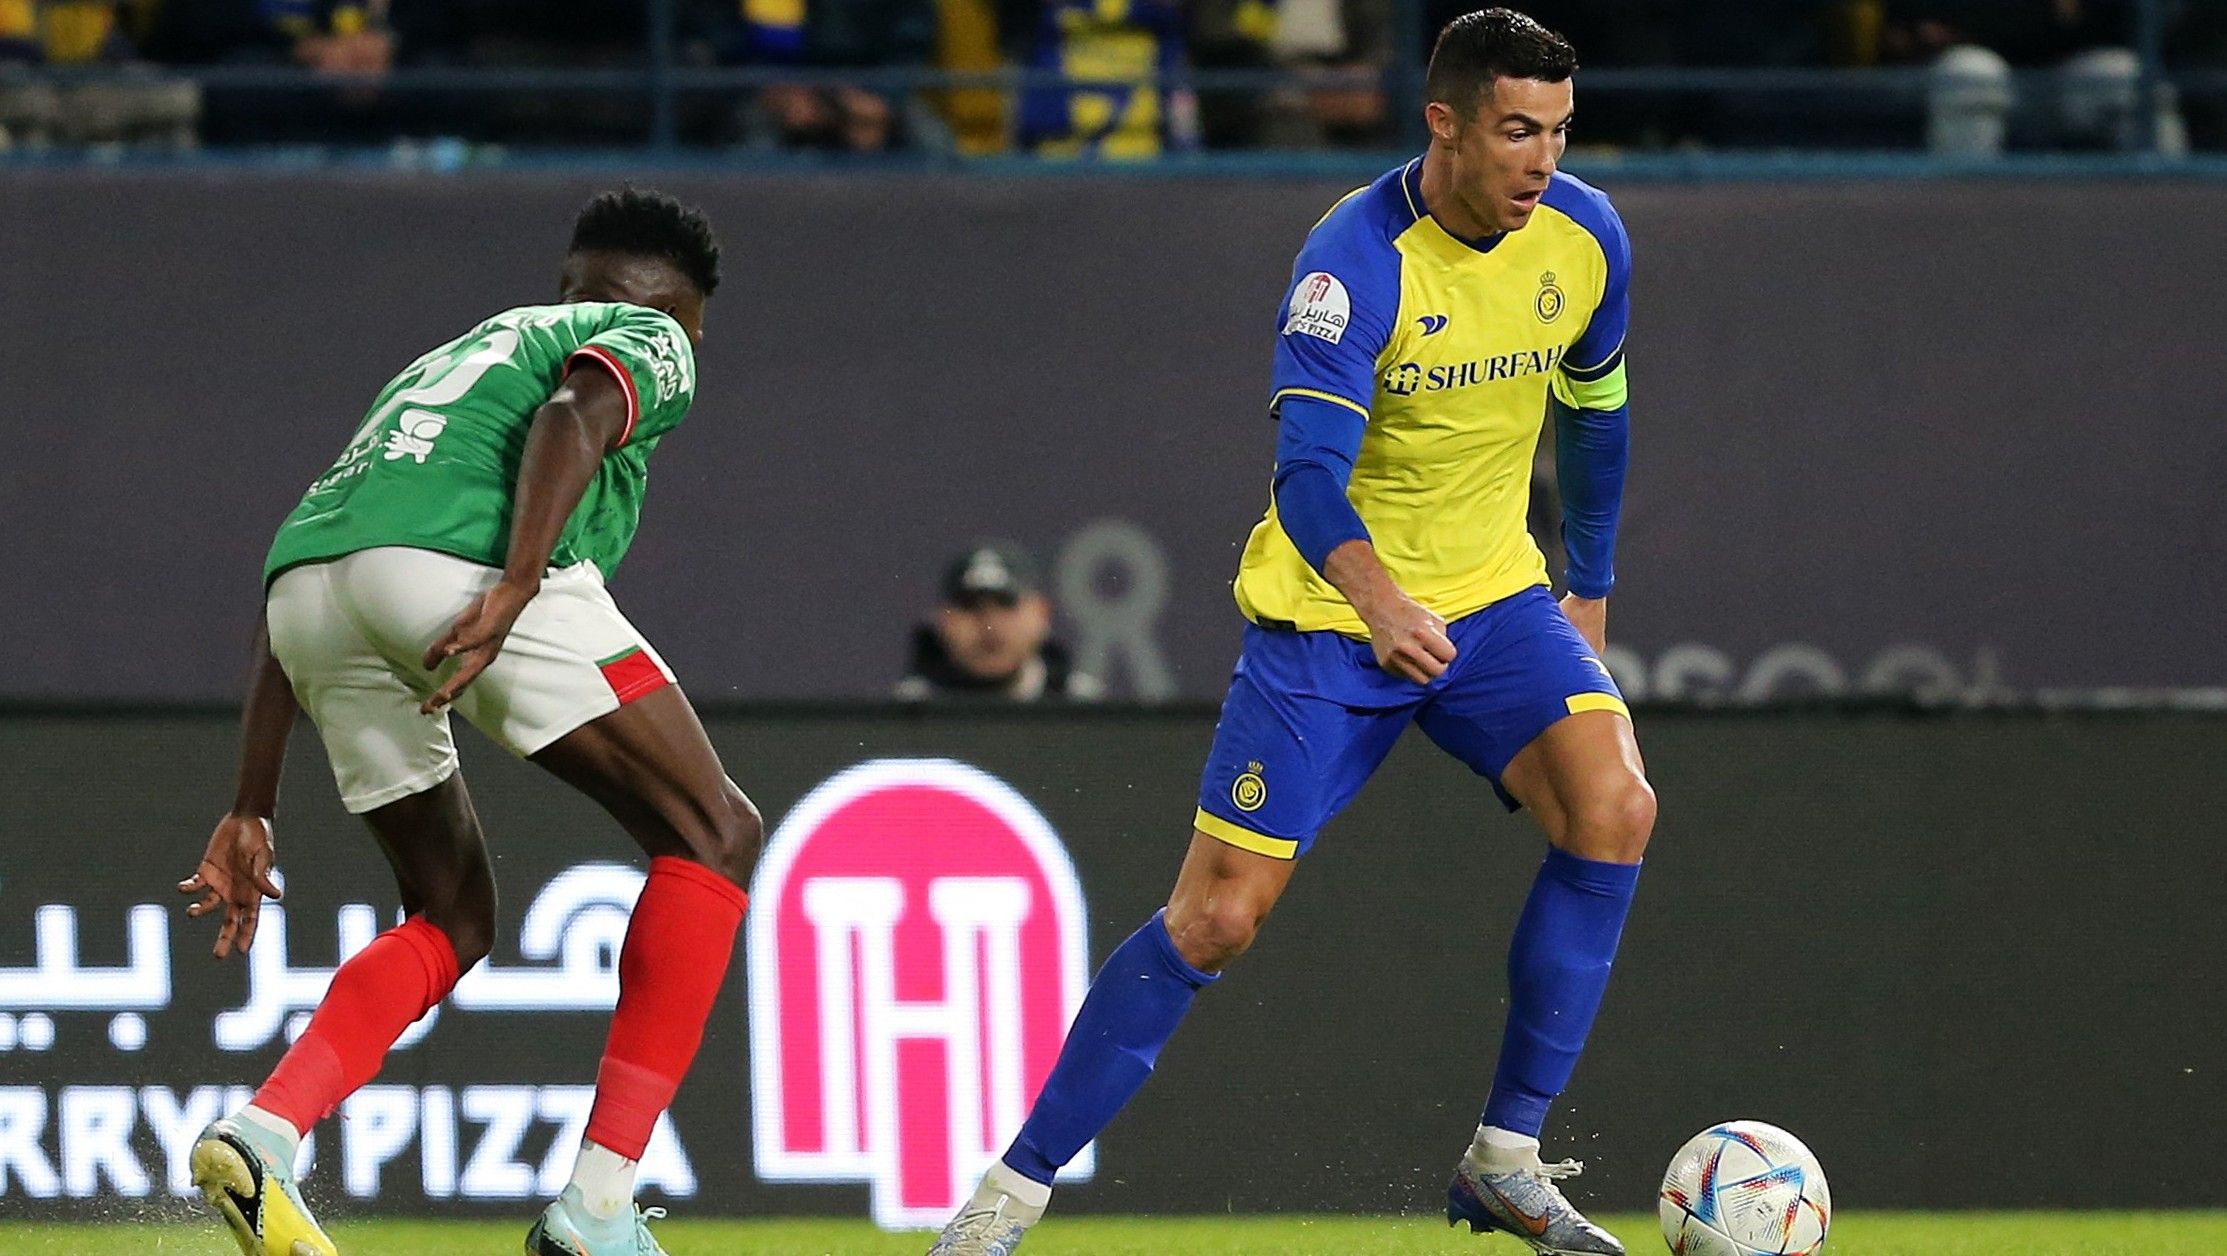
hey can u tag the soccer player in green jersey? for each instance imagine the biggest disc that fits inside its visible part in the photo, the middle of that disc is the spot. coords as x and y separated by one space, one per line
455 556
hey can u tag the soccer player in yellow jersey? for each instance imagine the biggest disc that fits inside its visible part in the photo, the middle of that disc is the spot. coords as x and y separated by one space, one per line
1433 320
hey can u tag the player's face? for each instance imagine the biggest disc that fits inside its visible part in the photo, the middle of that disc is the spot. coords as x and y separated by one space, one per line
1505 153
636 281
990 639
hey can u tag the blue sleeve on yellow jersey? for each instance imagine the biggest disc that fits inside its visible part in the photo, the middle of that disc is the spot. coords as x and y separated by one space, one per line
1338 314
1591 448
1339 309
1316 443
1592 410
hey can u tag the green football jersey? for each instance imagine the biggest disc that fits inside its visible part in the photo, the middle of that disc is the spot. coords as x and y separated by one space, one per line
435 463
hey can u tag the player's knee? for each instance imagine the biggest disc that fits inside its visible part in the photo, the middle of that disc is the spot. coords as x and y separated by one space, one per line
728 840
1210 938
1614 822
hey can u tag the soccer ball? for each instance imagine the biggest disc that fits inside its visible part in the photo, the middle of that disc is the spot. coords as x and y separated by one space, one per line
1744 1189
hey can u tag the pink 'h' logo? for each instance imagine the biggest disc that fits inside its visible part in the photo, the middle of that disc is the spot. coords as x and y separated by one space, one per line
916 950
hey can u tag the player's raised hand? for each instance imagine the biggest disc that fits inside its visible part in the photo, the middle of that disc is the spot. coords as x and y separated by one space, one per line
476 638
234 874
1410 641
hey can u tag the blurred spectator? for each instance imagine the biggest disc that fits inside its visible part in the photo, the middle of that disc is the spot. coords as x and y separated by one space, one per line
827 34
551 35
1341 48
339 37
969 40
1975 107
991 638
354 42
1108 54
141 107
2197 40
1232 35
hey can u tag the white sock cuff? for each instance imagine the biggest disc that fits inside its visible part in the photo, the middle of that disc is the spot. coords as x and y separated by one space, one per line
1503 1150
275 1125
1012 1181
605 1179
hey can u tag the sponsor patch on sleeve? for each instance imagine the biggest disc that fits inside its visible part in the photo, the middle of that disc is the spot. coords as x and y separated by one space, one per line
1319 307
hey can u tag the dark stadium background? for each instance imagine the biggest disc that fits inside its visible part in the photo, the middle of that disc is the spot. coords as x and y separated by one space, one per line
1920 590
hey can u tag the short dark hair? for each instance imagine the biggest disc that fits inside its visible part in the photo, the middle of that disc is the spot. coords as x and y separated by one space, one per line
648 223
1476 48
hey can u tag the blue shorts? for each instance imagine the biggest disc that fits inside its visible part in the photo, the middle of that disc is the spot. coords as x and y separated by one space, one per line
1310 715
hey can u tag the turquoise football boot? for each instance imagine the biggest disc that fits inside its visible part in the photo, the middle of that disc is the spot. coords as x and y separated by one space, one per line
567 1228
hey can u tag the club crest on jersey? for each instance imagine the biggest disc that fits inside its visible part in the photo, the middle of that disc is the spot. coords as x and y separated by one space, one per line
1250 790
1548 304
1319 308
916 950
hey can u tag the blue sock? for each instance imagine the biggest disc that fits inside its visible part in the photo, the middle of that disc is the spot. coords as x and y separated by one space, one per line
1132 1010
1557 970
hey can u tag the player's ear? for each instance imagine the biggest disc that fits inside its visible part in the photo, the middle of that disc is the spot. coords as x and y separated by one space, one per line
1444 125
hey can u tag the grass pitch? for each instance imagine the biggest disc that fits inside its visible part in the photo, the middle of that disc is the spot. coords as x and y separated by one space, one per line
1857 1234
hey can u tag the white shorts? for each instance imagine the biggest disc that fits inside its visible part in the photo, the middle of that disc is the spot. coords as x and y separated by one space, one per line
351 634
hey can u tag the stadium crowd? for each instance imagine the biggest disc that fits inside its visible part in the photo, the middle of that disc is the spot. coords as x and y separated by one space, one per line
1108 75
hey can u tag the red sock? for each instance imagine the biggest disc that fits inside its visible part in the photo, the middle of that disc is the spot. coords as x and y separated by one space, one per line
373 998
670 970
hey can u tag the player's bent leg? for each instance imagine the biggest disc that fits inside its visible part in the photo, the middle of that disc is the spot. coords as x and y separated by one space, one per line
244 1163
1584 779
651 766
1291 749
1135 1003
1221 899
1141 994
434 844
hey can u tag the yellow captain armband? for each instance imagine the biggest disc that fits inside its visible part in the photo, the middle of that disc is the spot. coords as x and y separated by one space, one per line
1608 392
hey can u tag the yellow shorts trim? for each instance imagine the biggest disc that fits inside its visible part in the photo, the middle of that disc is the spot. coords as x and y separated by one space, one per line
1242 838
1316 395
1581 702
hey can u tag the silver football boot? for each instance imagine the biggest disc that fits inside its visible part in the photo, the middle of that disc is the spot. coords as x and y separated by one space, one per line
993 1220
1526 1203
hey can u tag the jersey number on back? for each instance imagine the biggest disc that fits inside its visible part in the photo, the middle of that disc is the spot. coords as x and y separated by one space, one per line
439 379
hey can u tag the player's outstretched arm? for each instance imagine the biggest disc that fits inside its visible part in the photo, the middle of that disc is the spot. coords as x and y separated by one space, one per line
583 420
235 871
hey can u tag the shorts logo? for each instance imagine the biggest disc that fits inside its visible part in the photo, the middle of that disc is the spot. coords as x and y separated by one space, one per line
1319 308
1548 304
916 951
1250 791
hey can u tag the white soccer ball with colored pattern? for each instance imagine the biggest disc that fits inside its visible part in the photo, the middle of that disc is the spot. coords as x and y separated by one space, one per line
1745 1189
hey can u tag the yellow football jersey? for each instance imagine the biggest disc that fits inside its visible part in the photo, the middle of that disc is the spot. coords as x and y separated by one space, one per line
1448 349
